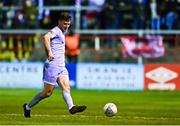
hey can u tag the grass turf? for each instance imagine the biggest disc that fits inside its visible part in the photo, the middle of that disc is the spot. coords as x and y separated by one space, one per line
134 107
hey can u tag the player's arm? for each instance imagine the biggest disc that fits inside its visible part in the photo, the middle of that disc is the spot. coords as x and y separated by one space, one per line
46 40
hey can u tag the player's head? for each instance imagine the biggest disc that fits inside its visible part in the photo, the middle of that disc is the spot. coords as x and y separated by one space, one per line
64 21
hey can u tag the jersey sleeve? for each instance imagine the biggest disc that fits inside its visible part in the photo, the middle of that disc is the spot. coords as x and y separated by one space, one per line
52 33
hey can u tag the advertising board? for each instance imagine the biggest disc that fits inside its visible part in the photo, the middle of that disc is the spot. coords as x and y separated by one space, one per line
162 76
110 76
21 75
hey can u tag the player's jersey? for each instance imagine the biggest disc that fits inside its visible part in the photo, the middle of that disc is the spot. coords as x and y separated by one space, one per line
58 46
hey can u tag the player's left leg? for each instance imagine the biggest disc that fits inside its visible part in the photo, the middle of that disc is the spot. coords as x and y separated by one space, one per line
63 82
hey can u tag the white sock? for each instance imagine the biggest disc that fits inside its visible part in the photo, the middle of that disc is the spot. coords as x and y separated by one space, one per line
27 107
68 99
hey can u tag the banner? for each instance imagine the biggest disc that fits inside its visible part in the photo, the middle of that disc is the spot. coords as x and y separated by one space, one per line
147 47
162 76
21 75
110 76
71 67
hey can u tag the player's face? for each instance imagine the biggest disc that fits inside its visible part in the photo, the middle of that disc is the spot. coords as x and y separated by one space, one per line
64 25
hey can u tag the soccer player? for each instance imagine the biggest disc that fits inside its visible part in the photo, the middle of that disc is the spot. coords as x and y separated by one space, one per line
54 67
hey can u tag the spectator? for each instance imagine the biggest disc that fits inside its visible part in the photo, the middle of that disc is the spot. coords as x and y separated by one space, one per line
1 15
31 14
155 18
46 20
172 16
72 47
10 14
52 2
8 2
19 20
140 14
88 17
110 16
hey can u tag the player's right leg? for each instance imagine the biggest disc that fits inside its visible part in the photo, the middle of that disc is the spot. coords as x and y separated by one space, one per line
47 91
63 82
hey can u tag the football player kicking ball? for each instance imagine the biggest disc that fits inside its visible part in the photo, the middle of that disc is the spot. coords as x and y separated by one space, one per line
54 70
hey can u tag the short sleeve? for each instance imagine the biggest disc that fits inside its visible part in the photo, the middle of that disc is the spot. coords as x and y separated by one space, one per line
52 33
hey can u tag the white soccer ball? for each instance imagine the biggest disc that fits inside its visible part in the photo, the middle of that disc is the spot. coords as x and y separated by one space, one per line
110 109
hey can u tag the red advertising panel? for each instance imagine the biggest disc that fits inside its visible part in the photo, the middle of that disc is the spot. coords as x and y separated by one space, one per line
162 76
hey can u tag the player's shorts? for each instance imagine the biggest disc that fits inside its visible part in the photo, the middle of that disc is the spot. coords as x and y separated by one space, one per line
52 71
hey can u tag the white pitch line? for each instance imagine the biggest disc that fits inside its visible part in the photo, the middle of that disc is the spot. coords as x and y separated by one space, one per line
44 115
85 116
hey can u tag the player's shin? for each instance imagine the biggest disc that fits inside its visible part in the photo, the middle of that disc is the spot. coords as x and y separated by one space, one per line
67 98
35 100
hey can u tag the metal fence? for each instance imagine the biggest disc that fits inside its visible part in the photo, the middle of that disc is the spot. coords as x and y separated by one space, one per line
27 45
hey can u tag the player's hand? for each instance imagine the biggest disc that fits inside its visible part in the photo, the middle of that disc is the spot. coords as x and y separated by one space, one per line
50 56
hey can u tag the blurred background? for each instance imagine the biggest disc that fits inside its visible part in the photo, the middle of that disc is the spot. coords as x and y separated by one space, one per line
109 40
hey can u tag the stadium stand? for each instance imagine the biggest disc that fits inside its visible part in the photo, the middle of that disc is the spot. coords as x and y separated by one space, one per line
100 24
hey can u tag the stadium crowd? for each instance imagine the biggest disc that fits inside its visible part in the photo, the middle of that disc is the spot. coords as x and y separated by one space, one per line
108 14
113 14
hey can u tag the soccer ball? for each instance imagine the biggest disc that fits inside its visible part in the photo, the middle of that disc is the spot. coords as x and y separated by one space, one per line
110 109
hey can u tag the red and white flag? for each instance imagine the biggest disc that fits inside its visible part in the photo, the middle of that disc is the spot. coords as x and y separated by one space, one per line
147 47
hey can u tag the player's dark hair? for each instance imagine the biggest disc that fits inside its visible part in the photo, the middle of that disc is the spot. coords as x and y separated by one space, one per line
64 16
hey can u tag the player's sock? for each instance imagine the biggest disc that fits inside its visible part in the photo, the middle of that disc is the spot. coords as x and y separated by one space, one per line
35 100
68 99
27 113
27 107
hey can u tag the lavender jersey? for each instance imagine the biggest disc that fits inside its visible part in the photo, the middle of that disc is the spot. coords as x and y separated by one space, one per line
58 45
55 68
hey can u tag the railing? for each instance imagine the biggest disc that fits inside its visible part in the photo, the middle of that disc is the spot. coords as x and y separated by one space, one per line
99 52
92 44
95 32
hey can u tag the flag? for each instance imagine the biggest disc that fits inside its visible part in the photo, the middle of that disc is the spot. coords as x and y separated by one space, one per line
150 46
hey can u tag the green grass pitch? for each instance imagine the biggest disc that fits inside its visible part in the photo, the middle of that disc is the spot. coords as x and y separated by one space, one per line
134 107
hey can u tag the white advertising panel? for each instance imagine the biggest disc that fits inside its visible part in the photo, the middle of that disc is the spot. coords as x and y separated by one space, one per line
110 76
21 75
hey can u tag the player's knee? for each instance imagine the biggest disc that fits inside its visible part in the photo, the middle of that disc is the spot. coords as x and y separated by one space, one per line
47 94
67 88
